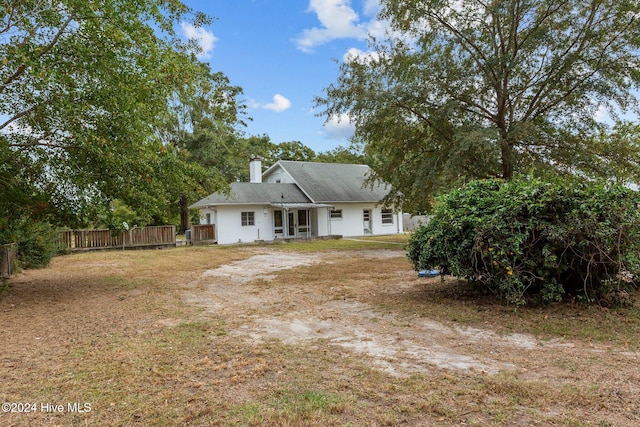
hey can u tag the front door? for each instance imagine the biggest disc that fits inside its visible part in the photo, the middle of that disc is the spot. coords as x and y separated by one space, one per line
298 223
366 220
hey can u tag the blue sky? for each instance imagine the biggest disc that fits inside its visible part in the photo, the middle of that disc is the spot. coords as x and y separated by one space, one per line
283 54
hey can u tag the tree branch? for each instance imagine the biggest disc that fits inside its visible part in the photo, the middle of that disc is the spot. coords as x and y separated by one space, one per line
44 51
18 116
553 77
45 144
9 19
476 53
595 70
425 119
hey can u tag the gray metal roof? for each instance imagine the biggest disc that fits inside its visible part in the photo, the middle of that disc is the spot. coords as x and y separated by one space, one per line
333 182
245 193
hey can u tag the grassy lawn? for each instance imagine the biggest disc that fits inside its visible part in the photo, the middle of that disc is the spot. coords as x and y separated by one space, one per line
152 338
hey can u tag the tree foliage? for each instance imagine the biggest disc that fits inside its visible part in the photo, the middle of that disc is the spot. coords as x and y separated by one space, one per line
200 123
83 87
294 150
340 154
475 89
534 238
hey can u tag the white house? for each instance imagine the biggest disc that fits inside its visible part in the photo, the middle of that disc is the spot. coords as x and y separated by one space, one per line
300 199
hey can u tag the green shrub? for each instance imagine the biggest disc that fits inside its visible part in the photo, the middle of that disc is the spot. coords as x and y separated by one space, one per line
530 238
37 241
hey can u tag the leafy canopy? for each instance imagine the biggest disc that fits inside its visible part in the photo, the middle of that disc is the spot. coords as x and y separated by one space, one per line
84 85
476 89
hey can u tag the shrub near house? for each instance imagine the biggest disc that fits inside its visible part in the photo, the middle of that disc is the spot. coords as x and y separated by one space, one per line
530 238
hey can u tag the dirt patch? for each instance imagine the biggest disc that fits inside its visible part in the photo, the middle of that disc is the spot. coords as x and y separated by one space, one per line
260 267
398 346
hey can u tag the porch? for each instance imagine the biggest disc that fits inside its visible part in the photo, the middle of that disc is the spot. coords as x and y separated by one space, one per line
299 220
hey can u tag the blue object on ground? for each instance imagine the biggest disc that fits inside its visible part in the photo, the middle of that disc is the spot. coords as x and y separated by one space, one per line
428 273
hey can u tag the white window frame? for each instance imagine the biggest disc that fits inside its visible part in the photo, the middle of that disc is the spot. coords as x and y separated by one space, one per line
387 216
248 218
335 214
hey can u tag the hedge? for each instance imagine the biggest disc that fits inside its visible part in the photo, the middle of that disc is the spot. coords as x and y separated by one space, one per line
539 240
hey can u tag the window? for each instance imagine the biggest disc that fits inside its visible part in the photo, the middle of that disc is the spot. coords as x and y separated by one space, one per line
336 214
387 216
208 218
303 221
248 218
277 222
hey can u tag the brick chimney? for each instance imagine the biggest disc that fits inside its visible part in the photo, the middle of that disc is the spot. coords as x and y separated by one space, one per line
255 169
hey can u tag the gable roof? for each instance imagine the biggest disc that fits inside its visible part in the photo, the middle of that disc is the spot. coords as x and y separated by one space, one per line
332 182
245 193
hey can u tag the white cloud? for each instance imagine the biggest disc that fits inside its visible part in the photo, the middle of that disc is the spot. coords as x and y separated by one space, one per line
378 29
338 20
339 127
204 39
601 114
357 55
252 103
371 7
279 104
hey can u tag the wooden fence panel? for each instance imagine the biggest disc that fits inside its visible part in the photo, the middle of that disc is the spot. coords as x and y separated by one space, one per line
7 259
203 233
77 240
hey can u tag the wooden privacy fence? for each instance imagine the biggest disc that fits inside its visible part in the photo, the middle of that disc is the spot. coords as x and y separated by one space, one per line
143 237
7 259
201 234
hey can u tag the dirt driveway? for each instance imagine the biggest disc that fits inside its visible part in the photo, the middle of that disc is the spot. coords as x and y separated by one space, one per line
303 314
348 314
276 337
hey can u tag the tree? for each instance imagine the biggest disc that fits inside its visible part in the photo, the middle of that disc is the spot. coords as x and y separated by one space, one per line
294 150
478 89
342 154
83 86
200 125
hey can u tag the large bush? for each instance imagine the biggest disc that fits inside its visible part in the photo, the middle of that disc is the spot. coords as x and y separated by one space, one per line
36 241
534 239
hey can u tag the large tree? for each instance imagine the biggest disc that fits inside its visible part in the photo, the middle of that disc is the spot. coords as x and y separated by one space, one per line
475 89
83 87
200 125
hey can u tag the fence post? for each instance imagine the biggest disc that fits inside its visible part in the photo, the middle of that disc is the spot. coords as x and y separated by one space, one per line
7 259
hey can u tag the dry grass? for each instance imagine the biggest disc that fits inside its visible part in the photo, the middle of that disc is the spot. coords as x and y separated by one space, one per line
113 329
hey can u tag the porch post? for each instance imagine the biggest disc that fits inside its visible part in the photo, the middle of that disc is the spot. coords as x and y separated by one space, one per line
285 222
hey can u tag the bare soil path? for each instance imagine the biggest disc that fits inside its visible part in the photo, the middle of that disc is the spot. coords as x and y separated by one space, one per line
399 344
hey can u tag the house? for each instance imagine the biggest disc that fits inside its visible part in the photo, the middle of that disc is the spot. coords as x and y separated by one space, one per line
300 199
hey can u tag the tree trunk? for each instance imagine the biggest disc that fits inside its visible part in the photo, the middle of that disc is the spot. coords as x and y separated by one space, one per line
506 154
185 221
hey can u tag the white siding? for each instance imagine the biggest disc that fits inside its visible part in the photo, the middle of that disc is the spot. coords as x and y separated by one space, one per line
279 175
203 215
321 226
229 228
352 222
